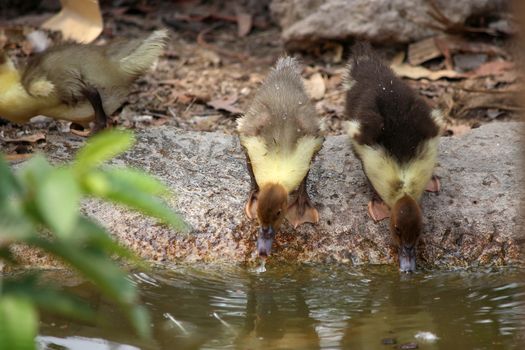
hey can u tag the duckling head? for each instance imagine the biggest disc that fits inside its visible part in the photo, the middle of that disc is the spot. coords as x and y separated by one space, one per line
272 203
406 224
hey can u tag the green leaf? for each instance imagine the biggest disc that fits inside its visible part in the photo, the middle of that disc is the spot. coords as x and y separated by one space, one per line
34 171
92 234
48 298
140 319
8 183
124 192
95 183
105 275
103 147
18 323
14 225
57 199
97 267
7 255
138 180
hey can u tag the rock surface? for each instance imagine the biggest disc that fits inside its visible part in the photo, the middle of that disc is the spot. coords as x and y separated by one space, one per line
472 222
381 21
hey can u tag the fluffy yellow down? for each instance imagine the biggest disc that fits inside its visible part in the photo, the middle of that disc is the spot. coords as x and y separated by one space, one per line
286 167
18 106
15 103
392 180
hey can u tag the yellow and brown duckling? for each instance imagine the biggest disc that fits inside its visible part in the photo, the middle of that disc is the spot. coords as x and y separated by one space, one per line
76 82
280 134
395 134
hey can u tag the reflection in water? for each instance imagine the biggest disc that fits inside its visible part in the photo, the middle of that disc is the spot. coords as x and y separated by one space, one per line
308 307
277 316
80 343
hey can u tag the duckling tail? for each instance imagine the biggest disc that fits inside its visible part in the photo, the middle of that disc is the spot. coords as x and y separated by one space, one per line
136 56
286 74
287 63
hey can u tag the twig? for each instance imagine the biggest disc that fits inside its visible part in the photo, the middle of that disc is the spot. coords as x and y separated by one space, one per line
156 114
17 156
449 26
485 91
465 109
502 107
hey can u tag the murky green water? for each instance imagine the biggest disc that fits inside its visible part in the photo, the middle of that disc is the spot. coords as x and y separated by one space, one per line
309 307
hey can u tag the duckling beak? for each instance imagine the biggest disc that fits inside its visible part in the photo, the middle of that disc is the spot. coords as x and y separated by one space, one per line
407 259
265 240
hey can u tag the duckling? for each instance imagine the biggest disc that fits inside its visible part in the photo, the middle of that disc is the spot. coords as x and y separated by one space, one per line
395 134
280 135
76 82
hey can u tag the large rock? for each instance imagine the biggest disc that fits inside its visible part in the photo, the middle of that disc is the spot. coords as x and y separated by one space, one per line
381 21
473 221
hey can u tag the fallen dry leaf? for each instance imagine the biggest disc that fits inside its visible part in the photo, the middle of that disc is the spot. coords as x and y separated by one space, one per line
315 86
244 24
206 123
225 104
398 59
169 82
458 130
159 121
208 57
492 68
187 97
16 156
338 53
464 62
423 50
81 133
406 70
417 72
27 138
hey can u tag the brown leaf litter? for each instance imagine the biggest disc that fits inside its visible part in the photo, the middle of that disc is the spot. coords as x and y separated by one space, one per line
219 54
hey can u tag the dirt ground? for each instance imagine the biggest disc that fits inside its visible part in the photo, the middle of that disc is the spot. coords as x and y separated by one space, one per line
210 71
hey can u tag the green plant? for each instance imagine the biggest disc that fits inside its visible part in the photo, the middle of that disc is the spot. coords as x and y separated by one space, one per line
39 207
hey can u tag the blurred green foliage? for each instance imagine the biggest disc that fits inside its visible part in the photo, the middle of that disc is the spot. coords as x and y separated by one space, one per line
39 207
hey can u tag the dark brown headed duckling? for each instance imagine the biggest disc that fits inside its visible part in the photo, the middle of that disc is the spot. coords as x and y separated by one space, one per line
280 135
395 134
76 82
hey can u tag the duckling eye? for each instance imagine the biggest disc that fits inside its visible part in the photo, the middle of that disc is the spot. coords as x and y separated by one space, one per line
279 212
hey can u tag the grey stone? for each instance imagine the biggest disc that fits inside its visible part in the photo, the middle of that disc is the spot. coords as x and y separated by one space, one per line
304 22
472 222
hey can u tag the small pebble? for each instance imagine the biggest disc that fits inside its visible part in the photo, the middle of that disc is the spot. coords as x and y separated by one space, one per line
426 336
389 341
408 346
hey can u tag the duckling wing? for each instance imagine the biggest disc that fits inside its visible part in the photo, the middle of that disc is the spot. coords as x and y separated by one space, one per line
40 87
60 71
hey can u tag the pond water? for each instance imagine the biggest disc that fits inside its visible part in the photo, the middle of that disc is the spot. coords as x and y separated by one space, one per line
308 307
